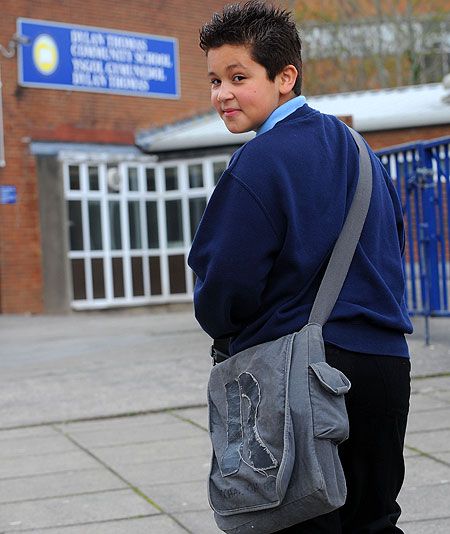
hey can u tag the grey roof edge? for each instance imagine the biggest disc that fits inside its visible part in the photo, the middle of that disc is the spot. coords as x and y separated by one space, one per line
189 134
147 136
387 90
52 148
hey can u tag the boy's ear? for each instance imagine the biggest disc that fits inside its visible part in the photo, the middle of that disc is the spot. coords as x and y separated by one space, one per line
288 77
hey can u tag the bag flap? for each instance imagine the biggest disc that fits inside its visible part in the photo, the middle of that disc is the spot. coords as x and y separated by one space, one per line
333 380
250 429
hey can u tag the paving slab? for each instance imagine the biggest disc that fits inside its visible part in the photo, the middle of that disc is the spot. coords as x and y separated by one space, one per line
434 420
421 470
176 498
431 385
40 464
410 453
134 435
142 525
77 333
443 456
166 472
434 358
442 396
120 388
58 485
118 423
42 445
430 442
424 402
156 450
435 526
199 522
199 416
71 510
56 369
28 432
425 502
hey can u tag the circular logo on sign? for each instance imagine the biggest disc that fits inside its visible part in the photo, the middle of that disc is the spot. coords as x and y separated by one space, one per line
45 54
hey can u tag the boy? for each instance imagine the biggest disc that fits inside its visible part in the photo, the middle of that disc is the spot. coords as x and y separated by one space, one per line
266 236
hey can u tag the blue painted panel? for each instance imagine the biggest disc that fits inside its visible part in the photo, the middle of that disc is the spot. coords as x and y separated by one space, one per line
85 58
8 194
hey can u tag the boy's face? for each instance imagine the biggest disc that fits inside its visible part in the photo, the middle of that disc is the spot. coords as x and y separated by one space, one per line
241 92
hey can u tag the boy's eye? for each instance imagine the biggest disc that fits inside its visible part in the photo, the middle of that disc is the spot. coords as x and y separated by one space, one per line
238 78
214 81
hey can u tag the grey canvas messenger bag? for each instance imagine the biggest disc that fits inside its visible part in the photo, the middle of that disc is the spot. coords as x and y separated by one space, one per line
277 411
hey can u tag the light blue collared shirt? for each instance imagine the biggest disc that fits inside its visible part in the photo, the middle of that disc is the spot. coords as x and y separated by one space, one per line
281 113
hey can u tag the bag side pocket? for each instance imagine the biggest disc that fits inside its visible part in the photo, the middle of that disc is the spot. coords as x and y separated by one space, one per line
327 387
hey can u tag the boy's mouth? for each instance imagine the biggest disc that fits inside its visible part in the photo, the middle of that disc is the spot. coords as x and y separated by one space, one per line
230 112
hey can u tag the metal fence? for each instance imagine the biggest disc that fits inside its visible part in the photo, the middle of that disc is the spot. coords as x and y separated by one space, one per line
421 172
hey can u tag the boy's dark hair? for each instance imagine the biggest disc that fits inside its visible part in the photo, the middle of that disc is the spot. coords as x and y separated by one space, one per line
269 31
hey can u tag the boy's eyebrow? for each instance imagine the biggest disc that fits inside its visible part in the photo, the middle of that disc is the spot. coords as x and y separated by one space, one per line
234 65
230 67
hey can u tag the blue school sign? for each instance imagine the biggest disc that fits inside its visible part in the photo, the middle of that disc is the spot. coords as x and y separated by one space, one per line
84 58
8 194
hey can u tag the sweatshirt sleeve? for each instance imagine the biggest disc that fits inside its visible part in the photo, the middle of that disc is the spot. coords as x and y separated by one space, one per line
232 253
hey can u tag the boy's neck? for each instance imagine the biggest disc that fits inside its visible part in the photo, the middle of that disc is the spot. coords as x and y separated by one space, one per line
279 114
286 98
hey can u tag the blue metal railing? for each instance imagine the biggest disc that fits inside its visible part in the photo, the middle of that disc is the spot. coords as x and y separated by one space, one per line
421 173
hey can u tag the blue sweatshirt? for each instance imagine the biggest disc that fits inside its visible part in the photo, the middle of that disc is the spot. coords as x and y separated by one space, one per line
266 236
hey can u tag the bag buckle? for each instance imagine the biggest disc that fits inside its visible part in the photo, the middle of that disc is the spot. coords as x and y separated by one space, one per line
217 355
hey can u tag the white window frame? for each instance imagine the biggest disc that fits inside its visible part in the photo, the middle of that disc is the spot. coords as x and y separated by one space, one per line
184 193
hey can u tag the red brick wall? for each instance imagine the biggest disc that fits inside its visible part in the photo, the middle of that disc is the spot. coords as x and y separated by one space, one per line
383 139
42 114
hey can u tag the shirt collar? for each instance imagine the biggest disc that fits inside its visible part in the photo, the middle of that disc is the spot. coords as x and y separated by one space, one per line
281 113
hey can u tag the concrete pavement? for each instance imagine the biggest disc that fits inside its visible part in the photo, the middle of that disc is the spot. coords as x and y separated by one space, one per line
103 425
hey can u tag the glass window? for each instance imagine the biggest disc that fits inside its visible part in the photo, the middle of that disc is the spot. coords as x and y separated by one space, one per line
195 175
98 280
95 225
152 224
171 176
218 168
174 223
154 264
196 208
150 179
117 271
133 182
134 222
114 179
75 225
177 274
78 279
151 273
94 183
74 178
114 225
138 276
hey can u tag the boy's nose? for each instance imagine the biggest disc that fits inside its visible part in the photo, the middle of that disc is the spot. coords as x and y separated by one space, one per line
223 94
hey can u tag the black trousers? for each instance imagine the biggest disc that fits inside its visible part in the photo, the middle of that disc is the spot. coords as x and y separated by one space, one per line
372 457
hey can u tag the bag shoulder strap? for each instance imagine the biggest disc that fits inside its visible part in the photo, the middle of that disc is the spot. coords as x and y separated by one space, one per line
344 249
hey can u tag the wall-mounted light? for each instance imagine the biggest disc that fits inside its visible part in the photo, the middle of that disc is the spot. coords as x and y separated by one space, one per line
10 50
